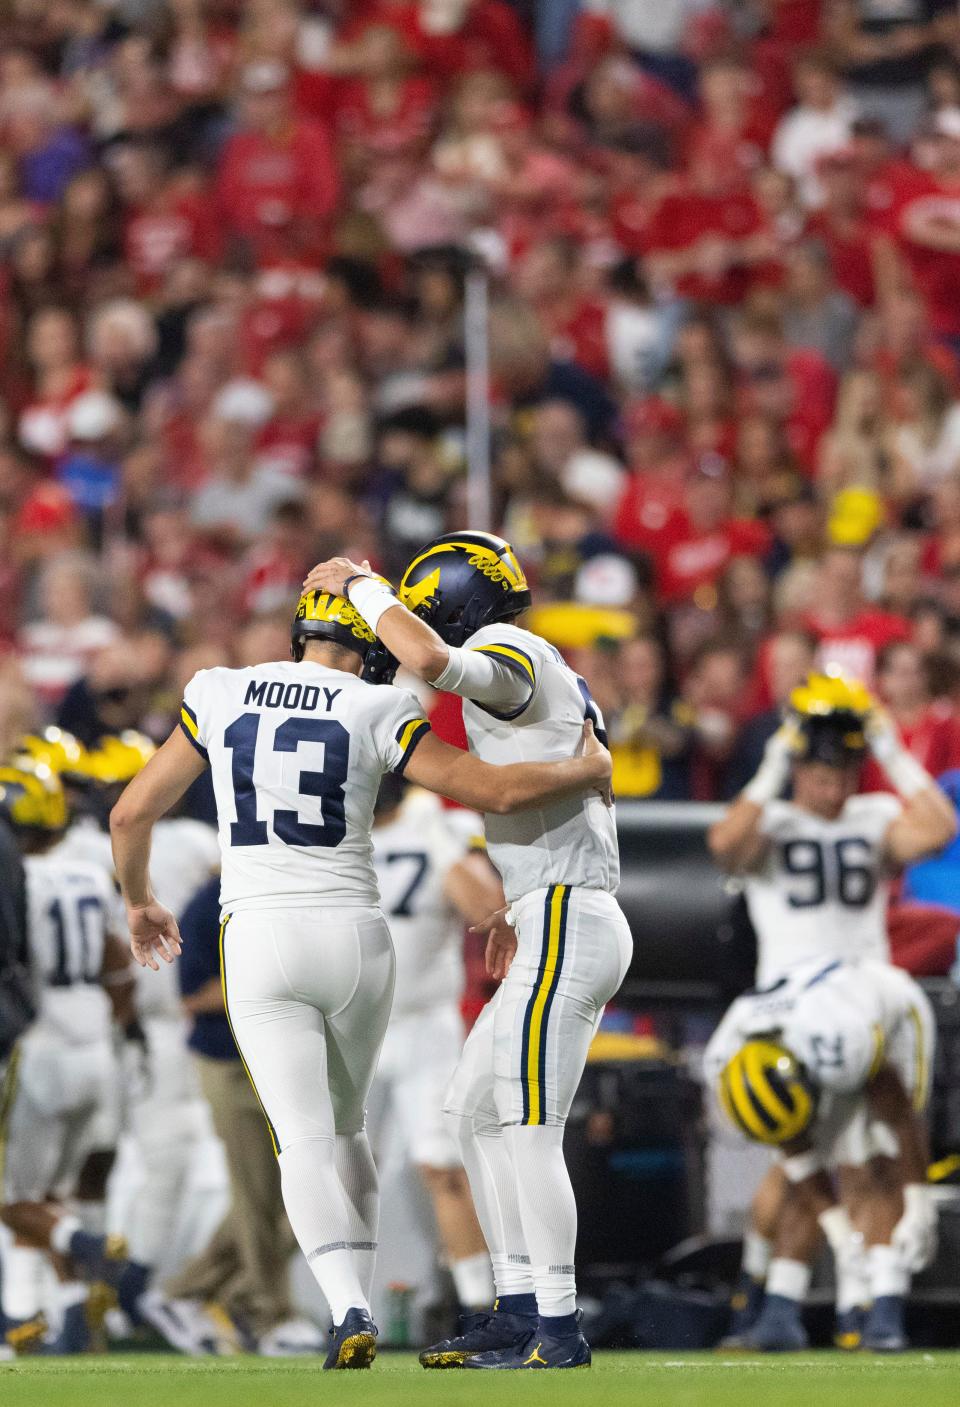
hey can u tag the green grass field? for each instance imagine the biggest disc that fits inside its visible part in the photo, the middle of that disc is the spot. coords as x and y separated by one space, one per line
616 1380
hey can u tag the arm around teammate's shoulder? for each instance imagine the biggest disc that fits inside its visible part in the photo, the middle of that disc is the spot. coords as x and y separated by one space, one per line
518 786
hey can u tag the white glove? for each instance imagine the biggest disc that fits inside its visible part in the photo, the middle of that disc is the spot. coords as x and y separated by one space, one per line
886 745
136 1066
846 1243
773 772
915 1234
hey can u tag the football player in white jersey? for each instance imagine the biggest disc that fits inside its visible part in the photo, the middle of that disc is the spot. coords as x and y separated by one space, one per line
564 956
166 1116
61 1103
821 1065
816 873
297 750
433 882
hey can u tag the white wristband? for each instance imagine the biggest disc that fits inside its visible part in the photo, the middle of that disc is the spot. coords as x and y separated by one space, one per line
770 779
837 1227
906 773
799 1166
371 598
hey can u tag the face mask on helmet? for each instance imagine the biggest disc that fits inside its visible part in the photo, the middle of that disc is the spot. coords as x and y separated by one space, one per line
463 581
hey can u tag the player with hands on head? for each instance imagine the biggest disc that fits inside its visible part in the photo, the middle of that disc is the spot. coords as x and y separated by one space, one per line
562 950
816 876
297 750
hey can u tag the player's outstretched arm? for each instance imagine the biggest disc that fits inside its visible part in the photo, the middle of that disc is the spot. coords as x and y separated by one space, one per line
516 787
153 929
928 821
410 640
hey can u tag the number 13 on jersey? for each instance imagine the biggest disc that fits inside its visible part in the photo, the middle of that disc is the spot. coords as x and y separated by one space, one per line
318 793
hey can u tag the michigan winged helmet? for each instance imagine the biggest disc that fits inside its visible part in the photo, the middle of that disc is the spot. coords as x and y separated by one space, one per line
463 581
830 716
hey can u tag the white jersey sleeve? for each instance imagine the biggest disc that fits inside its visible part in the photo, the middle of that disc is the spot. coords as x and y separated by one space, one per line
495 673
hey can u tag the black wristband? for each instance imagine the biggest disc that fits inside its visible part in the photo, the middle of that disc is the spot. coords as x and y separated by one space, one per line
345 588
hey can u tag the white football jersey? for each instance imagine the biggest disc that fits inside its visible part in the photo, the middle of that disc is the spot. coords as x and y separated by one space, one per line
821 891
840 1020
572 841
183 856
296 753
69 903
412 854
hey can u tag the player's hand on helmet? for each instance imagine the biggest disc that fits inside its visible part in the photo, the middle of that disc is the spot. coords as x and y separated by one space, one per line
883 738
331 575
915 1234
602 762
153 934
501 942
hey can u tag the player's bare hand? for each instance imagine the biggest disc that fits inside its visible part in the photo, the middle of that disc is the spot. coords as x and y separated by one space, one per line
602 763
330 575
153 934
501 942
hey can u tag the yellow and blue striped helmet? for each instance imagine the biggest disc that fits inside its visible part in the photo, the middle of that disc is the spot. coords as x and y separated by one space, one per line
766 1093
32 796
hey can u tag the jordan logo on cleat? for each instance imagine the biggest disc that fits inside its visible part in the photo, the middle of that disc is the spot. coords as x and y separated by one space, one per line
535 1356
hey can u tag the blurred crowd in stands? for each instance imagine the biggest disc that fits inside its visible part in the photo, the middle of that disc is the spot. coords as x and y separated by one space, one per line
723 248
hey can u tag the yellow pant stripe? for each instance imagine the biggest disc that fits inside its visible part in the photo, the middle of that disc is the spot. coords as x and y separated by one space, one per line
533 1051
8 1094
920 1070
226 1007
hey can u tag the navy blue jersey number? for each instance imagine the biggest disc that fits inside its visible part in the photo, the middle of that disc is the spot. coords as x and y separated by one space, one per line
327 786
403 908
844 871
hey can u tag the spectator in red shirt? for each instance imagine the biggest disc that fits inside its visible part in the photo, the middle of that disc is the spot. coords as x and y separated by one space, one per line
278 184
386 110
842 225
732 136
690 566
929 726
650 513
167 216
927 223
547 278
850 633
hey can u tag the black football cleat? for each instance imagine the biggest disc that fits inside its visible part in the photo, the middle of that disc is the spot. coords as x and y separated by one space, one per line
354 1341
884 1331
538 1351
779 1328
848 1329
746 1302
479 1333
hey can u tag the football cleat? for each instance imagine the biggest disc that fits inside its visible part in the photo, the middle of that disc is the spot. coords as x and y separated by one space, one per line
884 1331
25 1336
746 1303
848 1328
354 1341
537 1351
779 1328
479 1333
183 1324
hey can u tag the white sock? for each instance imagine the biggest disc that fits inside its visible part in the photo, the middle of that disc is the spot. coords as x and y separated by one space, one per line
757 1254
63 1232
789 1278
316 1207
473 1280
548 1211
888 1274
485 1154
361 1187
92 1217
22 1281
853 1286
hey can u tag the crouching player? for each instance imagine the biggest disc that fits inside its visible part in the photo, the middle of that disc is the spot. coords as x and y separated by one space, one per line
816 873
